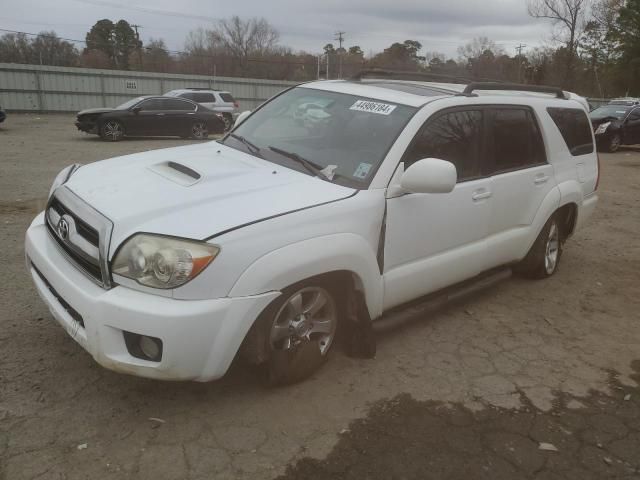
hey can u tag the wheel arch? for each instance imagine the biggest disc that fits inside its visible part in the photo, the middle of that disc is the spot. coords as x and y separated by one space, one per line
344 256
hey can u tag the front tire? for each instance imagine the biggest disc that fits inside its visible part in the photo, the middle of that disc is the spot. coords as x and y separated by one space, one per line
112 131
614 143
299 329
543 258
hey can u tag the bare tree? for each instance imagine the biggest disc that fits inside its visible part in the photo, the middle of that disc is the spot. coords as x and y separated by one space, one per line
570 17
245 38
477 47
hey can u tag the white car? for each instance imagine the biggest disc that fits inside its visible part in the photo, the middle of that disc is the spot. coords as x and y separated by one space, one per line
269 243
219 101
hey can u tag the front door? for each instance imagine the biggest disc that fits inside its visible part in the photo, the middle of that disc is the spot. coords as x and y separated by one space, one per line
632 128
149 120
435 240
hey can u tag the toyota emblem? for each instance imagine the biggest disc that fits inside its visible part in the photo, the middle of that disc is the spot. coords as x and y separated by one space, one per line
63 229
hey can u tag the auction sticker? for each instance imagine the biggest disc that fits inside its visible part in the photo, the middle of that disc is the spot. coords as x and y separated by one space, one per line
373 107
362 171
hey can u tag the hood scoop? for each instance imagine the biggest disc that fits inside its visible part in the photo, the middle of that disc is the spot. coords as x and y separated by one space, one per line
177 173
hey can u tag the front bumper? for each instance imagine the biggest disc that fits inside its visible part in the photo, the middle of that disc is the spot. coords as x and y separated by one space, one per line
88 127
200 337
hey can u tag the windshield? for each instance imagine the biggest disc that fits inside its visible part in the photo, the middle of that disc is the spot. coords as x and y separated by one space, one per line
616 111
343 135
129 103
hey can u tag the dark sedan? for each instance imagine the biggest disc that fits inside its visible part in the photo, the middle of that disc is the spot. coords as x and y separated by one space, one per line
616 124
151 117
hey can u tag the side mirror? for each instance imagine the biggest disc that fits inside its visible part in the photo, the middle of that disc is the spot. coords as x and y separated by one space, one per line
429 175
136 110
242 117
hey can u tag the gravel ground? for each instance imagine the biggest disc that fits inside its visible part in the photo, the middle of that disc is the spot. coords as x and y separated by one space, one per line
552 351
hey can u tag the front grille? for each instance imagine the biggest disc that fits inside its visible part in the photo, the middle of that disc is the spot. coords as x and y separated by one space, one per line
86 231
73 313
82 233
92 268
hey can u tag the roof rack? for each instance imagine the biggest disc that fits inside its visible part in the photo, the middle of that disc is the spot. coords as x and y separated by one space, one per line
405 75
200 88
516 87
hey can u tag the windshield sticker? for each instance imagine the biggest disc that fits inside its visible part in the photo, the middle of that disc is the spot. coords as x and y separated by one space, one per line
362 171
373 107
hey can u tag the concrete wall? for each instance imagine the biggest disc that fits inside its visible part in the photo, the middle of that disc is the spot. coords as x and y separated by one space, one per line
39 88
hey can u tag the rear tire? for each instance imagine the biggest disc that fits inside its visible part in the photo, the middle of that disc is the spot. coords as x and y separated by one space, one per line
112 131
543 258
299 329
199 131
228 121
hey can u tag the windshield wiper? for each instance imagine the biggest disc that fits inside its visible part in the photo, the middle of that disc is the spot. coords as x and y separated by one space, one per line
254 148
312 167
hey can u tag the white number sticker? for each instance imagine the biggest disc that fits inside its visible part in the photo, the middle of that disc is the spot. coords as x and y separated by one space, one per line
373 107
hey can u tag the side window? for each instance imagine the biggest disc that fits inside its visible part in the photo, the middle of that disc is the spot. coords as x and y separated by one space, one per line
175 104
575 127
634 116
187 95
453 136
227 97
152 104
204 98
517 142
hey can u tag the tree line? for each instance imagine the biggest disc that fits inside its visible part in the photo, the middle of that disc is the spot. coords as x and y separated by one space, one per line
594 49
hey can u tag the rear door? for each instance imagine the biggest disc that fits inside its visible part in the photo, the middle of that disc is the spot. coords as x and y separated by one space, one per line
178 118
521 179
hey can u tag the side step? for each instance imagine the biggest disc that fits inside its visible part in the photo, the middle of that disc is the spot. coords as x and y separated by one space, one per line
418 309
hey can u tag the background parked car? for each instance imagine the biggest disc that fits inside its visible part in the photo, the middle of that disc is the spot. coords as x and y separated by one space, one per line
616 124
151 116
3 115
217 100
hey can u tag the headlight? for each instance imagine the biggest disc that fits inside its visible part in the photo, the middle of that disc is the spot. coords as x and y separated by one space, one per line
162 262
63 176
602 128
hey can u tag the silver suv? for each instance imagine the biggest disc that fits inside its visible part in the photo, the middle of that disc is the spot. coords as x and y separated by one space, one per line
217 100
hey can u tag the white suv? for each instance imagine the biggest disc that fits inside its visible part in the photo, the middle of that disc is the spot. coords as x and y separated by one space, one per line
270 242
217 100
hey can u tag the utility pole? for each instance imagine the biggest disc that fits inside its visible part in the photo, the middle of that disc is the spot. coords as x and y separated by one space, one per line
340 38
519 57
136 27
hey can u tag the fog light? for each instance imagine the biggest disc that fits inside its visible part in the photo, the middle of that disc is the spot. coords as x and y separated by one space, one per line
151 347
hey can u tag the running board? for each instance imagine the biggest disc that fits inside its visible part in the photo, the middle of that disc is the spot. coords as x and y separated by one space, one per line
417 310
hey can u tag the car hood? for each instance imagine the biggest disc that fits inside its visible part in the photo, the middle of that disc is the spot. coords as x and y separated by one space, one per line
195 191
95 110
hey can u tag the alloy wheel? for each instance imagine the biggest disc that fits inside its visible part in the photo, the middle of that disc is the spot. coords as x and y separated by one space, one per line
552 249
310 314
113 130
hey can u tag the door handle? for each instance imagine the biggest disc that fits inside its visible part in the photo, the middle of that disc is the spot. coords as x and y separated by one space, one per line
541 179
481 195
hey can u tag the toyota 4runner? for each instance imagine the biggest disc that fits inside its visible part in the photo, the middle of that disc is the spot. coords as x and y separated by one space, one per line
270 242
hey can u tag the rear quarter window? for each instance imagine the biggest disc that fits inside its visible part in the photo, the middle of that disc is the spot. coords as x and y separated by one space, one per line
227 97
575 128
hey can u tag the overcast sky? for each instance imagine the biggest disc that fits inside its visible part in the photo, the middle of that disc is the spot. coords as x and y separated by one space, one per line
372 24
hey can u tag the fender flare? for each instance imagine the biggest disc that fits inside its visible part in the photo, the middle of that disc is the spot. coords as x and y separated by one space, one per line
316 256
548 207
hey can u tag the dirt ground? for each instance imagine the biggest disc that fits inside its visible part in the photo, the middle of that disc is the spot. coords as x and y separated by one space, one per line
470 392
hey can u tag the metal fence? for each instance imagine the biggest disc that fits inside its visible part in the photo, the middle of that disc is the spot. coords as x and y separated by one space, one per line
38 88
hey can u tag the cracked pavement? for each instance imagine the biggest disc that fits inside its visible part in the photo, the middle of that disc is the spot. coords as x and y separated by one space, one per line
520 345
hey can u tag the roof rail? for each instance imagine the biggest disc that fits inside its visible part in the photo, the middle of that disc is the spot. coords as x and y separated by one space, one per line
516 87
405 75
